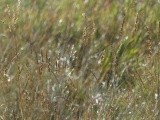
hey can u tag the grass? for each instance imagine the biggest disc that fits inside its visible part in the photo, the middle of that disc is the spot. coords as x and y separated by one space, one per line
79 60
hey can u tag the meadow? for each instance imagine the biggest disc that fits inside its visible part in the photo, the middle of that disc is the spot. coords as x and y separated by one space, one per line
79 59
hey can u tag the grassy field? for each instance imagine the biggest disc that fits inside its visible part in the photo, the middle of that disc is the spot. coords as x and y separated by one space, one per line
79 59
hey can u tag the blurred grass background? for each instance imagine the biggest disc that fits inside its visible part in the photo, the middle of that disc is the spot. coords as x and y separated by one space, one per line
81 59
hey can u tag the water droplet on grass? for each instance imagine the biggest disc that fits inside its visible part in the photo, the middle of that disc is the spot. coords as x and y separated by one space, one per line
86 1
156 96
22 48
83 14
126 37
60 21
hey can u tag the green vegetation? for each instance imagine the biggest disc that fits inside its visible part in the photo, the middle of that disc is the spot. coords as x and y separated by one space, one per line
79 60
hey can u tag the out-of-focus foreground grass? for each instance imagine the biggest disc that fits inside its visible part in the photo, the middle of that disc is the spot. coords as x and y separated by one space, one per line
84 59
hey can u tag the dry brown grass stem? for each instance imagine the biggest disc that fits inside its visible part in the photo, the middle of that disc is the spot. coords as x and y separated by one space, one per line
102 56
149 43
86 114
140 78
46 56
122 26
135 25
19 72
158 58
114 63
55 114
49 64
42 56
158 79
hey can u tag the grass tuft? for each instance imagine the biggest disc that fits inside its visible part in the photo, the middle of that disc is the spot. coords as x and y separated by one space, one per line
79 60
